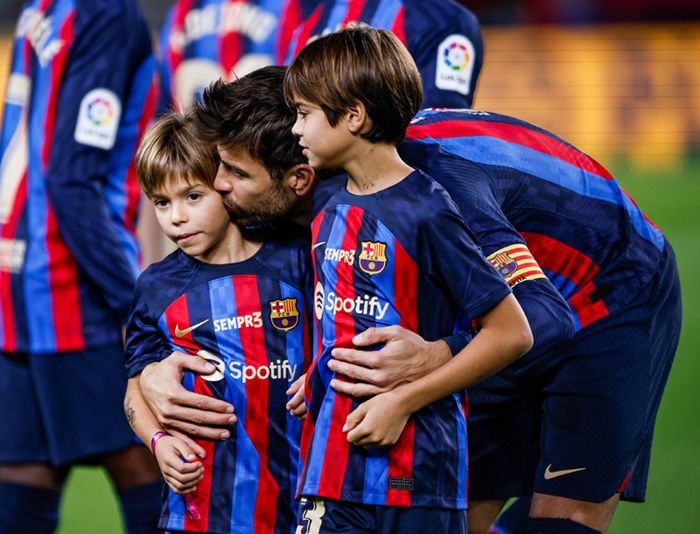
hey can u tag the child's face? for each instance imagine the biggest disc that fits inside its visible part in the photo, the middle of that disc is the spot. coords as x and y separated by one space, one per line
192 215
324 145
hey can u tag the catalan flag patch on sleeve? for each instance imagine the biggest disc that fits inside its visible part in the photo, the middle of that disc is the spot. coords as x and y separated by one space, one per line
515 264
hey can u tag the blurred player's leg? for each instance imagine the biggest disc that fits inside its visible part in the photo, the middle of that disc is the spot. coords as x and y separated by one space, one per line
138 485
513 520
67 410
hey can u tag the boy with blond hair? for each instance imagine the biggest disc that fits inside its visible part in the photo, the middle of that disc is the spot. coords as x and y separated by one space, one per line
238 300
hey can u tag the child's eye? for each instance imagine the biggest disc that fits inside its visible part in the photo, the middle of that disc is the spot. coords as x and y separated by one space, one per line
160 203
194 196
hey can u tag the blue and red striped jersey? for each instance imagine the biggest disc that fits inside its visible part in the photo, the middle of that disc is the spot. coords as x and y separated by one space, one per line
443 37
590 238
402 256
204 40
79 96
250 320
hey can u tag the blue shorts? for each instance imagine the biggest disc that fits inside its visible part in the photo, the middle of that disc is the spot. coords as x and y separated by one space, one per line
578 422
63 408
322 516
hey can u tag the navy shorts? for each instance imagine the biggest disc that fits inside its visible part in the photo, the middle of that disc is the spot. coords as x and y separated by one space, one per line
63 408
578 422
322 516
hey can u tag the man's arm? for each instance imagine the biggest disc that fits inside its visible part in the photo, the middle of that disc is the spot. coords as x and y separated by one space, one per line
405 357
504 336
174 407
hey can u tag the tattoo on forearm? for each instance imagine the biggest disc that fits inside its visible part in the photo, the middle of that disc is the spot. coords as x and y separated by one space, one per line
130 415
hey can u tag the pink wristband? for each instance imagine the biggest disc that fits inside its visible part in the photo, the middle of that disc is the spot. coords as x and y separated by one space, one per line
155 439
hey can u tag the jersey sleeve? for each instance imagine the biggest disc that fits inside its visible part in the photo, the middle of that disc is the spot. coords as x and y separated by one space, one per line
455 262
474 192
144 343
97 80
165 67
445 40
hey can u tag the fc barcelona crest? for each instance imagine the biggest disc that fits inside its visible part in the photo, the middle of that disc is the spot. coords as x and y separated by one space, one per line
504 264
373 257
284 314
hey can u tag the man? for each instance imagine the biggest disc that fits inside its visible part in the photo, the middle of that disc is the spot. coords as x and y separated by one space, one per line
79 96
572 421
204 40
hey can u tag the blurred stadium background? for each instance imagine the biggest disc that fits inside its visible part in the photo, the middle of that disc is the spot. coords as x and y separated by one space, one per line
621 80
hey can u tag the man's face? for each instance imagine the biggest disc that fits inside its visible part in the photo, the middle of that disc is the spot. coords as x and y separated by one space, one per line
251 195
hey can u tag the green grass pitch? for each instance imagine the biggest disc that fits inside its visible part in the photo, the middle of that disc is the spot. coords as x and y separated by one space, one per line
671 199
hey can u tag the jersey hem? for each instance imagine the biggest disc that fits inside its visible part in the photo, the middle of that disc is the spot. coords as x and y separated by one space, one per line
417 501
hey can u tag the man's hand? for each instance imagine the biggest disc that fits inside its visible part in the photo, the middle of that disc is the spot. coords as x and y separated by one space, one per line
176 408
405 357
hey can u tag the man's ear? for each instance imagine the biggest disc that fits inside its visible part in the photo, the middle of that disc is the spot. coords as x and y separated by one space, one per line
356 118
300 179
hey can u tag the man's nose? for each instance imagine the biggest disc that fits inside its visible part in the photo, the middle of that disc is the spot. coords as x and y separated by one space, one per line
222 183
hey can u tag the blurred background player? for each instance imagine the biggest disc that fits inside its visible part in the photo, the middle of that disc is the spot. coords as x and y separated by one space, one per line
79 96
443 37
204 40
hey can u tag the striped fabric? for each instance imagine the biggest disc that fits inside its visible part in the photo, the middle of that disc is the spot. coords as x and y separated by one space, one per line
398 257
250 320
68 250
585 232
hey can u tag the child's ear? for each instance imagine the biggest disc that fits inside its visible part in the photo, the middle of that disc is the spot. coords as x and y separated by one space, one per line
300 179
356 117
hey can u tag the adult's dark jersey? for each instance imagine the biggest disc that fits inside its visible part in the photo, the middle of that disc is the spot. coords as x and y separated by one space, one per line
78 99
524 185
402 256
204 40
443 37
250 320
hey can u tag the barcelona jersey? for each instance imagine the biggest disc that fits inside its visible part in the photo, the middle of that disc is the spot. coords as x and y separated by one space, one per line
589 237
204 40
443 37
250 320
79 96
401 256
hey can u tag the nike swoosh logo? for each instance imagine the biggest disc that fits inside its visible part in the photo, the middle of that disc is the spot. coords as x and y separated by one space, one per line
183 333
549 474
316 245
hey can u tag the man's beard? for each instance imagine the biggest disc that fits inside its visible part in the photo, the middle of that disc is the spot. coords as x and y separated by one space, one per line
277 203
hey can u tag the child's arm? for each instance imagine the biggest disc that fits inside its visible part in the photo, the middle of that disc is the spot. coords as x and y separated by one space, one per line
176 454
504 336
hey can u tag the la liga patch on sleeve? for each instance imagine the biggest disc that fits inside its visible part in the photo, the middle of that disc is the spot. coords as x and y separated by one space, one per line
455 64
98 119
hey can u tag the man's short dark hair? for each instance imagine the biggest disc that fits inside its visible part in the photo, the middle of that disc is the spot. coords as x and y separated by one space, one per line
252 113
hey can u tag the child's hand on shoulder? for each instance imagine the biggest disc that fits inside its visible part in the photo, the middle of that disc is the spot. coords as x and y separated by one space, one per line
178 464
377 422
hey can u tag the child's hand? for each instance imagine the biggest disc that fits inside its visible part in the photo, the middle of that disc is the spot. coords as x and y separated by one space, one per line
377 422
181 475
296 405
